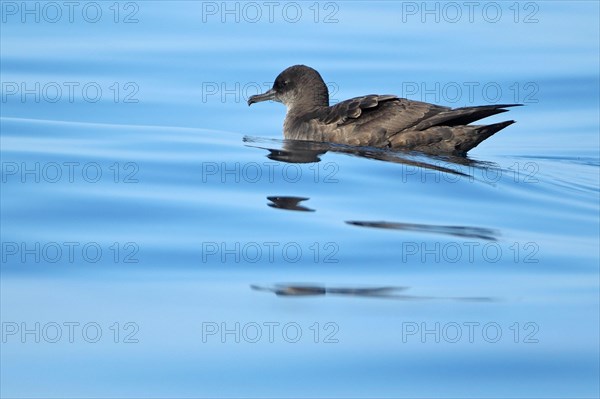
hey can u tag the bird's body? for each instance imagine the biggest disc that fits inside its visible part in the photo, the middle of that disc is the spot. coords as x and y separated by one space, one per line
376 120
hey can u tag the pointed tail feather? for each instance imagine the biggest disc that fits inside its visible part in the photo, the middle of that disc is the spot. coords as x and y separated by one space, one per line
463 116
479 134
455 140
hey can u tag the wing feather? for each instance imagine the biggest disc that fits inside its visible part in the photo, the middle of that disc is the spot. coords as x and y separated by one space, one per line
353 108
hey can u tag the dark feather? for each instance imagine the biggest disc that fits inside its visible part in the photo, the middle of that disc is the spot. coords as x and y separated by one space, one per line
352 108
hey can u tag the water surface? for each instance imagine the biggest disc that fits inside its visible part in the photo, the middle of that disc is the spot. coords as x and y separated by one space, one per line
165 241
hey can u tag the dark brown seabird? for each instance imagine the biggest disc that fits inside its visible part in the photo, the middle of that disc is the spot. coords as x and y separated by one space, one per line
384 121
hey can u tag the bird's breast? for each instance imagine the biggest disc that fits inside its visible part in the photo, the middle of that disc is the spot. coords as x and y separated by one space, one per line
305 128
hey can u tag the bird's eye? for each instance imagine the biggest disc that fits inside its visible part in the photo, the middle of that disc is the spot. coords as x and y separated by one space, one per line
286 82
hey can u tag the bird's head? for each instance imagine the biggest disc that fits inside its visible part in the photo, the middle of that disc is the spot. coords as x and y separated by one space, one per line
298 85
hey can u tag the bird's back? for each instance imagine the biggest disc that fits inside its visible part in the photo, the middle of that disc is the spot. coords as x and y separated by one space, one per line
389 121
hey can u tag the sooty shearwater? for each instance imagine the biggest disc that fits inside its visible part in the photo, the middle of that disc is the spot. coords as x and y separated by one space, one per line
385 121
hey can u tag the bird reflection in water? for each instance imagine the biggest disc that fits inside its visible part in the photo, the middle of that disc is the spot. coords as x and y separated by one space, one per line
289 203
304 290
296 151
290 151
481 233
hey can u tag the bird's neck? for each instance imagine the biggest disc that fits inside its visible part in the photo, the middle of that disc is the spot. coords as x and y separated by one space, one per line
304 108
316 97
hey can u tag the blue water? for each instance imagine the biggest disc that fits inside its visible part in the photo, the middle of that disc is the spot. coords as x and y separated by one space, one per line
157 232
